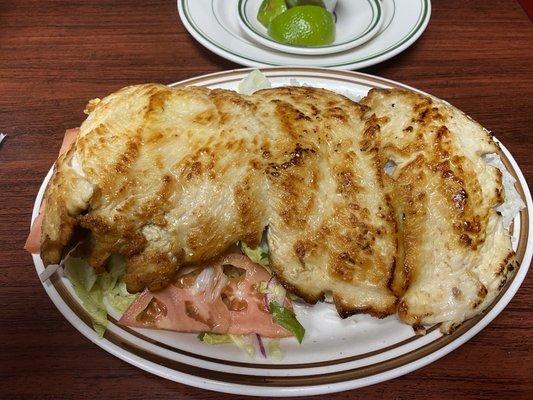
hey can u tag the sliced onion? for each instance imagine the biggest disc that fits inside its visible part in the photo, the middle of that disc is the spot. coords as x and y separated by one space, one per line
211 282
203 280
261 346
220 282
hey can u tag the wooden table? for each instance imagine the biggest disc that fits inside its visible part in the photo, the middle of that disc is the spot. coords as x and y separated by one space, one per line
55 55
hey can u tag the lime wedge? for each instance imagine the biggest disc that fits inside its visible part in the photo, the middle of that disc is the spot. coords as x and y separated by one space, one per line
270 9
307 26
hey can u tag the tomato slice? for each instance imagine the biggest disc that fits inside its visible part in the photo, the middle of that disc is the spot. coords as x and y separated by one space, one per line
234 306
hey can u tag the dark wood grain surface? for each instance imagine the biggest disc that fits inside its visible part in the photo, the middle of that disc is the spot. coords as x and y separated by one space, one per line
55 55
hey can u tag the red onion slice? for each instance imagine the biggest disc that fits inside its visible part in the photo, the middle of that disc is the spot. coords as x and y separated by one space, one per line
261 346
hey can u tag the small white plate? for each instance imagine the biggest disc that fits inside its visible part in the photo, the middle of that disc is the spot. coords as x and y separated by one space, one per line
357 21
336 354
215 25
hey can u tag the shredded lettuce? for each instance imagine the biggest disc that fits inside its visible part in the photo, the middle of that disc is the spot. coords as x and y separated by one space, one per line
119 298
253 82
278 292
243 342
215 338
287 319
273 291
83 279
274 350
93 288
263 287
259 255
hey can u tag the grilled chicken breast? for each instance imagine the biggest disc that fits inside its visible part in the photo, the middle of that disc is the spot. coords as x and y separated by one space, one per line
330 225
169 177
163 176
175 176
455 254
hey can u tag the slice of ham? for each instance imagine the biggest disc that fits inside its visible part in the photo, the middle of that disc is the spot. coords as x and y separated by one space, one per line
33 242
237 307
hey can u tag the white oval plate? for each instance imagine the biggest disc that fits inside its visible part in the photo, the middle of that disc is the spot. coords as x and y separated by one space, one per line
357 21
335 356
215 25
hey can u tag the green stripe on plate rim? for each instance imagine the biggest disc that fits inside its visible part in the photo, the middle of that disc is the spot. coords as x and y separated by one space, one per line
416 28
375 5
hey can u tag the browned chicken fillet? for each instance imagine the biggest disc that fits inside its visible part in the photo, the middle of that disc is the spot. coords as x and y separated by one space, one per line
174 176
163 176
331 227
455 254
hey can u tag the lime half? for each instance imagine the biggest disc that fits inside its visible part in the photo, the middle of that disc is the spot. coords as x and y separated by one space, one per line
308 26
270 9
